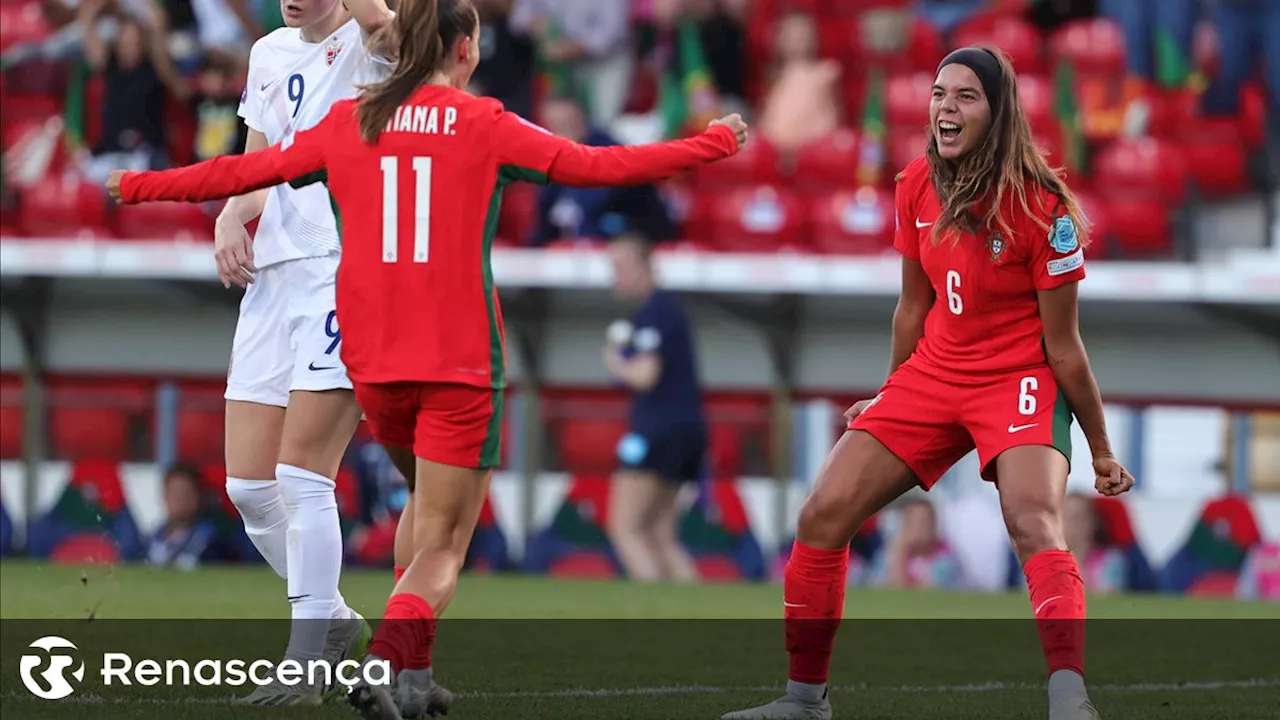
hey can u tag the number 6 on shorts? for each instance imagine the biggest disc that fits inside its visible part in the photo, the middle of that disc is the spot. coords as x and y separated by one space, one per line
1026 399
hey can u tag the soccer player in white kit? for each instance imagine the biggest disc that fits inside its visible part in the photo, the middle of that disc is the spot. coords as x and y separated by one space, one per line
290 408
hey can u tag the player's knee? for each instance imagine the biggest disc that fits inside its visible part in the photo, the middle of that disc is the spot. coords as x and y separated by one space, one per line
827 522
1033 530
304 490
255 499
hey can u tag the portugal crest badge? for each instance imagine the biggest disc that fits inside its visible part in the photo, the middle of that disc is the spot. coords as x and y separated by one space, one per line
331 50
996 245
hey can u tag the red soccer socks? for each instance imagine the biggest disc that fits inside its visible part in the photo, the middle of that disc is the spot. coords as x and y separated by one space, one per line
406 633
813 602
1058 603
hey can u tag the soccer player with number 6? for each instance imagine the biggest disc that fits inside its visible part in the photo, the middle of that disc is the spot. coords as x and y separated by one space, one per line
986 354
416 167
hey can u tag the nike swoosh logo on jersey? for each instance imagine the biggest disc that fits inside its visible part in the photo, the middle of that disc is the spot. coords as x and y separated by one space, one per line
312 367
922 224
1019 428
268 84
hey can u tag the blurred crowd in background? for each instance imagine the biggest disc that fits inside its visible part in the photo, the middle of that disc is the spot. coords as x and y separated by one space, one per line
1162 101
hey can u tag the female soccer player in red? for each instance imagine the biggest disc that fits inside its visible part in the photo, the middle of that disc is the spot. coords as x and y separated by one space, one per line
986 354
416 167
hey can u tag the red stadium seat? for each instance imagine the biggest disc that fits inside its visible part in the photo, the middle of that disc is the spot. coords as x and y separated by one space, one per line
1036 92
1141 224
89 432
1099 221
21 23
853 222
907 98
1216 156
1143 166
12 431
1016 37
164 221
763 218
200 433
589 445
98 480
1094 47
829 163
63 207
905 145
757 162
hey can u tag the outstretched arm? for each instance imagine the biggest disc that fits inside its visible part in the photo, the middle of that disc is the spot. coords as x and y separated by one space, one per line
528 146
229 175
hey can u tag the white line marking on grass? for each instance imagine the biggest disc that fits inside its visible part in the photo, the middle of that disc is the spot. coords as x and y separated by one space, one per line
669 690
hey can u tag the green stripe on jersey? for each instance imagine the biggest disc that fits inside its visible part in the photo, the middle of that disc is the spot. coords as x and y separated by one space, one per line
319 176
507 174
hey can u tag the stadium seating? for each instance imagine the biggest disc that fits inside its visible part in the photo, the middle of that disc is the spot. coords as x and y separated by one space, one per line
858 33
858 222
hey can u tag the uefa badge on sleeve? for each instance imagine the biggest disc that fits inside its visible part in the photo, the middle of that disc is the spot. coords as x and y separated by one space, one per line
1063 236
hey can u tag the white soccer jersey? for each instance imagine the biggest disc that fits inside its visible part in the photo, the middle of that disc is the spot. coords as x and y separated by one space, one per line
291 86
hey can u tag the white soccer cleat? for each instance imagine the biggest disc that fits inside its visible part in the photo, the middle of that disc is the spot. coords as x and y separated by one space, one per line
1073 708
278 694
346 640
785 708
417 695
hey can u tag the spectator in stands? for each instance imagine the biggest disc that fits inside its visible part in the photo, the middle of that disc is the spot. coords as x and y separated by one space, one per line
917 556
1248 31
506 59
720 37
1104 568
589 42
947 14
802 101
571 212
1158 37
653 356
136 69
1260 576
187 538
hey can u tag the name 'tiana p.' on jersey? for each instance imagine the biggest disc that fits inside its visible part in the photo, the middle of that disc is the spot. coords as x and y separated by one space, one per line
291 86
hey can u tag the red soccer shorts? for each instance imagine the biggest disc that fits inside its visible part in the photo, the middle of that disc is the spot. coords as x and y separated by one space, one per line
450 424
931 423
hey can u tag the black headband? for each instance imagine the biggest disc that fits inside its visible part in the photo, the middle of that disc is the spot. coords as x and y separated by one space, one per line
984 64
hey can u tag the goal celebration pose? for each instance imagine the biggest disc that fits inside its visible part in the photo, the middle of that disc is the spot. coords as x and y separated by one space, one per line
416 167
290 408
987 354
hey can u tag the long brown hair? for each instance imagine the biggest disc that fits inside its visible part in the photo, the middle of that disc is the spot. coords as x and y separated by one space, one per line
1005 164
419 40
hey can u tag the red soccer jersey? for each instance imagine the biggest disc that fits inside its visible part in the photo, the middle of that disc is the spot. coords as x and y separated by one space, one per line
986 317
418 211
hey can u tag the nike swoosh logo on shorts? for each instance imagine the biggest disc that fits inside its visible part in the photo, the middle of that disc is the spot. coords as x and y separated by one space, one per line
1019 428
312 367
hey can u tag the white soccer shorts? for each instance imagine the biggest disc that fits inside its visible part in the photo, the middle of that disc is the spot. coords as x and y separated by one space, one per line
287 336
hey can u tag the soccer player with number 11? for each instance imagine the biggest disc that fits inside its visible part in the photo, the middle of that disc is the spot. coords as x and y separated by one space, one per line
416 167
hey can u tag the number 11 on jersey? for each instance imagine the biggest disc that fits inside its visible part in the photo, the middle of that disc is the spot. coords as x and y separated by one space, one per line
391 209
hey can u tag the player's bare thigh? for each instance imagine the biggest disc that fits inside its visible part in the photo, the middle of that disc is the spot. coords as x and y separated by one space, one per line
252 437
859 477
318 425
633 501
1032 480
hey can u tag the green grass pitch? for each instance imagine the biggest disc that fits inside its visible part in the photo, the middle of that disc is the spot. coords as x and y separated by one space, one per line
533 647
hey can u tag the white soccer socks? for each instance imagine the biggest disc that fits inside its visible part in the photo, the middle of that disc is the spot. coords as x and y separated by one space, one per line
265 520
314 551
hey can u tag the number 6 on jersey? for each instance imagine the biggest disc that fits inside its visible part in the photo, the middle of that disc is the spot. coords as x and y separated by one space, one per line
391 206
